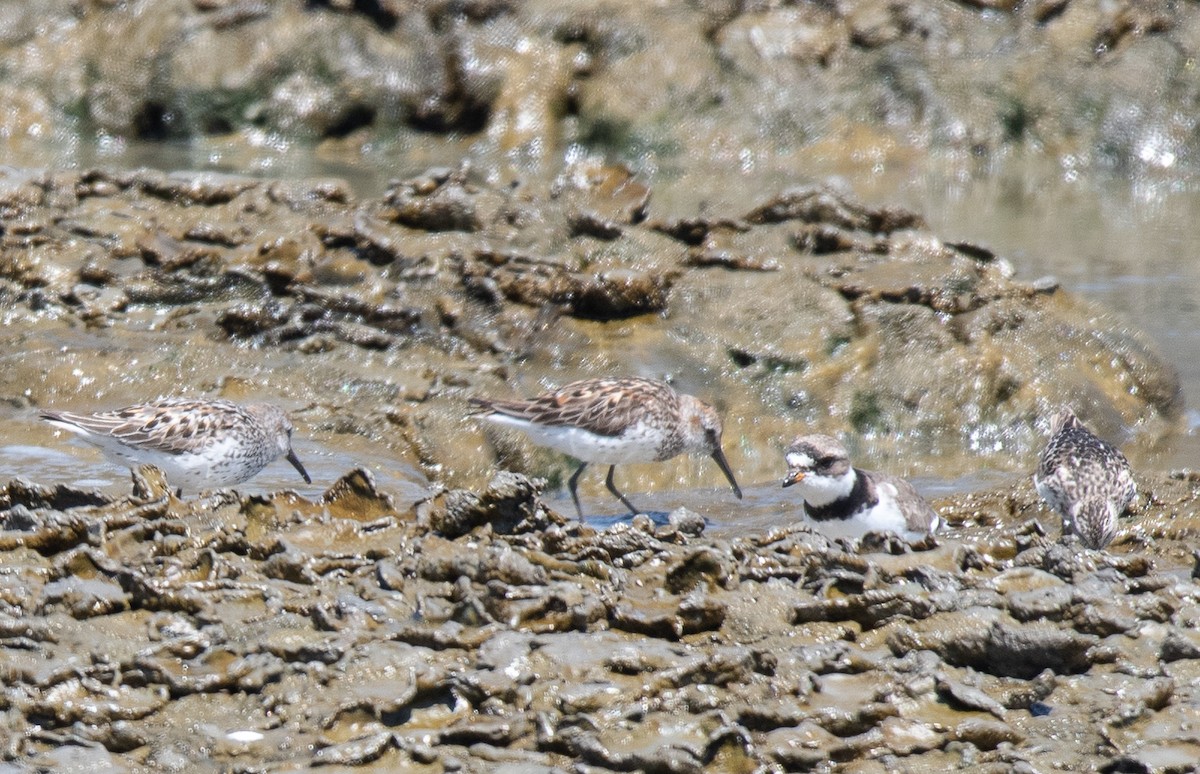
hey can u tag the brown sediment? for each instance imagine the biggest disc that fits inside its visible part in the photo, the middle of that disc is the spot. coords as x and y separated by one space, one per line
678 83
377 324
477 628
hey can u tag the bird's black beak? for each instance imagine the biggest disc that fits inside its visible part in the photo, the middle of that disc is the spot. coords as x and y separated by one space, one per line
292 458
793 477
722 463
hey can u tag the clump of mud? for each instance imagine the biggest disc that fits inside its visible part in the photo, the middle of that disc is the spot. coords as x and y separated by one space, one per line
682 83
373 321
479 630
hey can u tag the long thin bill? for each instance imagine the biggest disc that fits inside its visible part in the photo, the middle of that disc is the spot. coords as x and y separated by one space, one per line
292 458
719 456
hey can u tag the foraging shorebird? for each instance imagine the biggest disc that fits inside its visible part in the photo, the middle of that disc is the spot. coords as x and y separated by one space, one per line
1086 479
199 444
844 501
615 421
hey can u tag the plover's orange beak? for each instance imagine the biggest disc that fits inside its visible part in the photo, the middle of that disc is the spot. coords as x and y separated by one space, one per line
723 464
793 477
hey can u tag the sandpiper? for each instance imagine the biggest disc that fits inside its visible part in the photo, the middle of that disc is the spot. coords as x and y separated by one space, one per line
199 444
615 421
1086 479
841 500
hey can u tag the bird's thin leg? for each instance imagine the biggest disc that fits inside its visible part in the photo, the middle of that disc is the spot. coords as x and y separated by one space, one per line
613 488
572 484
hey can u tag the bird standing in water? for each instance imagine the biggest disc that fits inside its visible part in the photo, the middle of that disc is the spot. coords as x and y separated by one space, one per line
615 421
199 444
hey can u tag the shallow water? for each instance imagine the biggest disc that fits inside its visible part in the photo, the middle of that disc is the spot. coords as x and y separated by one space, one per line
361 606
77 464
1127 246
1122 244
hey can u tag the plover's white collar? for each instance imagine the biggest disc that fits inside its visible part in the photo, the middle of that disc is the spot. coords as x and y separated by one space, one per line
842 500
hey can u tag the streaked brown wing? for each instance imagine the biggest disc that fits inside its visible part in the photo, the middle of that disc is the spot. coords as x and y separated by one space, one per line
1126 488
168 426
605 406
918 512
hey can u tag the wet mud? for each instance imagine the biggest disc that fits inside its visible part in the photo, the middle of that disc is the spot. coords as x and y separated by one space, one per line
474 628
1092 84
425 605
377 318
482 631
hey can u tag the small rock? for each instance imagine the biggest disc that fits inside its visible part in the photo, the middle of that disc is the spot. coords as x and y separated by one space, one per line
686 521
356 752
985 734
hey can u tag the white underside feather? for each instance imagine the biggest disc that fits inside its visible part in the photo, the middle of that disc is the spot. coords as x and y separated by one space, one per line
637 444
884 516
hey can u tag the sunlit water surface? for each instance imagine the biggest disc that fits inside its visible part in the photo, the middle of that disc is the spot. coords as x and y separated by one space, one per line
1126 245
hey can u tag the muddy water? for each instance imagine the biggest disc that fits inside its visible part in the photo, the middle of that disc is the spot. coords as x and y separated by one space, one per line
476 631
78 465
476 628
1128 246
1124 247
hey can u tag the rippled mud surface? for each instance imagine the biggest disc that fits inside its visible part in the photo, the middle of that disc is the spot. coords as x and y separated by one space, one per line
424 612
480 631
414 609
373 320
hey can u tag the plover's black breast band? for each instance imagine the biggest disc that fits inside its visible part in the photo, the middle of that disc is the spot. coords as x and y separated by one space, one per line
861 497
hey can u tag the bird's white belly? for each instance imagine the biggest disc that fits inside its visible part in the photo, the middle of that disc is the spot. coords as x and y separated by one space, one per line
216 465
884 516
1051 489
631 446
881 517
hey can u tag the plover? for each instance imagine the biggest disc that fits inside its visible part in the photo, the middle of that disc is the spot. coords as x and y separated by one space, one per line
615 421
199 444
841 500
1086 479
